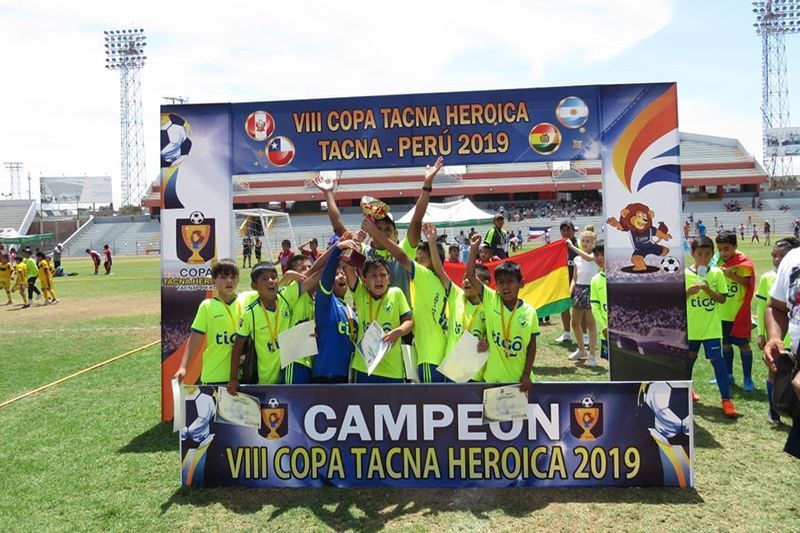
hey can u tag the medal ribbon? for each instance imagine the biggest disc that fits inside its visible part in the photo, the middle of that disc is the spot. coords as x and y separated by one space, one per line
507 328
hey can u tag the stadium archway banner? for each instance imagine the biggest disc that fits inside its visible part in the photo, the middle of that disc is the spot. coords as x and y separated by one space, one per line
632 128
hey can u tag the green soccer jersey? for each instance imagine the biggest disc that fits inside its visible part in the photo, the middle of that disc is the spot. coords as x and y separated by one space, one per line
388 312
703 313
765 284
509 332
33 270
736 294
302 309
246 298
429 304
465 316
599 301
218 321
264 326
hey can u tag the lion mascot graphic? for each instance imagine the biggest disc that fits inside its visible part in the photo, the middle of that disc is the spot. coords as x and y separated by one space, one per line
637 220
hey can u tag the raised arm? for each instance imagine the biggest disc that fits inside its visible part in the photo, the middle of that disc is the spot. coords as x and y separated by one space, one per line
415 226
577 250
429 231
378 236
474 244
326 186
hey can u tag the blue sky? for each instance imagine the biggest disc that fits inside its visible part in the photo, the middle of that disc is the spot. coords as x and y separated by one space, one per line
59 115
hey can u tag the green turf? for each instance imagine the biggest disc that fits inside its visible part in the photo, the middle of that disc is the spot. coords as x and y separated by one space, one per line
90 454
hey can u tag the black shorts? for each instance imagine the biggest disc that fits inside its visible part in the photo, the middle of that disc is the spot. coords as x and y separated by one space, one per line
727 338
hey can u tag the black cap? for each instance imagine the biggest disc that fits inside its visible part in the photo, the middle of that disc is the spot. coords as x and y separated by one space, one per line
567 223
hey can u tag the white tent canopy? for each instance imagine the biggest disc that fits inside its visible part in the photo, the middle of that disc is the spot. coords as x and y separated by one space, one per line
450 215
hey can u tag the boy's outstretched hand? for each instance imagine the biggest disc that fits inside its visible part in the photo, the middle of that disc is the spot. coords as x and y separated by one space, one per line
324 184
430 171
475 241
429 232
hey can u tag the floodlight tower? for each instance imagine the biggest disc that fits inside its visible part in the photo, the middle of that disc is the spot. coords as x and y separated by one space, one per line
125 53
15 170
775 19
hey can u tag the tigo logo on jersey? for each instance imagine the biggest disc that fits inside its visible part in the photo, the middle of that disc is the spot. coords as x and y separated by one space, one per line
586 422
275 416
195 240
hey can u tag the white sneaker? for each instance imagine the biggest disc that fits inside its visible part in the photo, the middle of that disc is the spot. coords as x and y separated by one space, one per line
591 361
577 355
565 337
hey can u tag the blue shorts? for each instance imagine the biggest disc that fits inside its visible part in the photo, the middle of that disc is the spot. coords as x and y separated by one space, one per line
727 338
711 347
647 248
363 377
429 373
295 374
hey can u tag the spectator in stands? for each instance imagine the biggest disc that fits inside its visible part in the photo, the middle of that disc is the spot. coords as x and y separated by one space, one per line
247 252
107 262
257 246
312 251
496 238
285 254
95 259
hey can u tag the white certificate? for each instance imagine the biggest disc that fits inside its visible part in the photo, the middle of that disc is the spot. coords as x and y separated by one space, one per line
372 347
297 343
505 403
178 406
464 360
239 410
410 362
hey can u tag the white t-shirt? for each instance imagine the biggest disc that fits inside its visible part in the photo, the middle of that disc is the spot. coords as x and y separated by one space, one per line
586 270
787 290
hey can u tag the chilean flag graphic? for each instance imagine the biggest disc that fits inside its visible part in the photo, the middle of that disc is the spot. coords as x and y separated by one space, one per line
280 151
259 125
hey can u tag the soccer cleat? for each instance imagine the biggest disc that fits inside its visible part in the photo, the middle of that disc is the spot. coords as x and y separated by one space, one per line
695 396
565 337
55 301
25 306
774 420
748 385
591 361
577 355
728 409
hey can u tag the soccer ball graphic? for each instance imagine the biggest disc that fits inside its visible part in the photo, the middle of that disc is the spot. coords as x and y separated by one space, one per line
660 400
175 141
197 217
587 402
670 265
273 403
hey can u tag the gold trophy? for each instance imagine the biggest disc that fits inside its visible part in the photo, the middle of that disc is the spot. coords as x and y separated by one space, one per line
195 237
371 207
587 418
273 418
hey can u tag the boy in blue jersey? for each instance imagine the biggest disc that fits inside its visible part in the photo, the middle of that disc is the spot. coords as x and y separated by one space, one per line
336 322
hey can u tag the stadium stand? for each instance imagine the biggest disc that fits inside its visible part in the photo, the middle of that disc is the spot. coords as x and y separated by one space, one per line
17 215
125 235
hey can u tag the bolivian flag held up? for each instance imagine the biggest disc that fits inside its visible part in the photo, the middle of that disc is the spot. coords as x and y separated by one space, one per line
544 271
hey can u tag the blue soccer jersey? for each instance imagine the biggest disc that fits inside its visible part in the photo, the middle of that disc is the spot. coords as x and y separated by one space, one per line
336 326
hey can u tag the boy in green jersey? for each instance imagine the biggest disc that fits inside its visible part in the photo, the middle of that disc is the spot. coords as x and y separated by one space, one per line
706 290
765 284
263 321
217 319
511 324
598 297
428 302
376 301
464 308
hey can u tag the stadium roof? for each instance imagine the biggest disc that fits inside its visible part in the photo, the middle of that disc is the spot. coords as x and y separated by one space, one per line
705 160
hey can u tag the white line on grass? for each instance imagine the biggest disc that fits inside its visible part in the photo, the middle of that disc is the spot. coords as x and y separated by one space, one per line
78 373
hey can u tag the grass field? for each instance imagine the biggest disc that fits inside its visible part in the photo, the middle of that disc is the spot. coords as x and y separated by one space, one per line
90 454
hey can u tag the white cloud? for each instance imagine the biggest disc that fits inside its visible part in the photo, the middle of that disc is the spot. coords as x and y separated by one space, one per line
59 110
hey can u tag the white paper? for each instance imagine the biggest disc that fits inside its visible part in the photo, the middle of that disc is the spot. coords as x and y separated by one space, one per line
501 404
410 362
464 360
372 347
297 343
178 406
239 410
